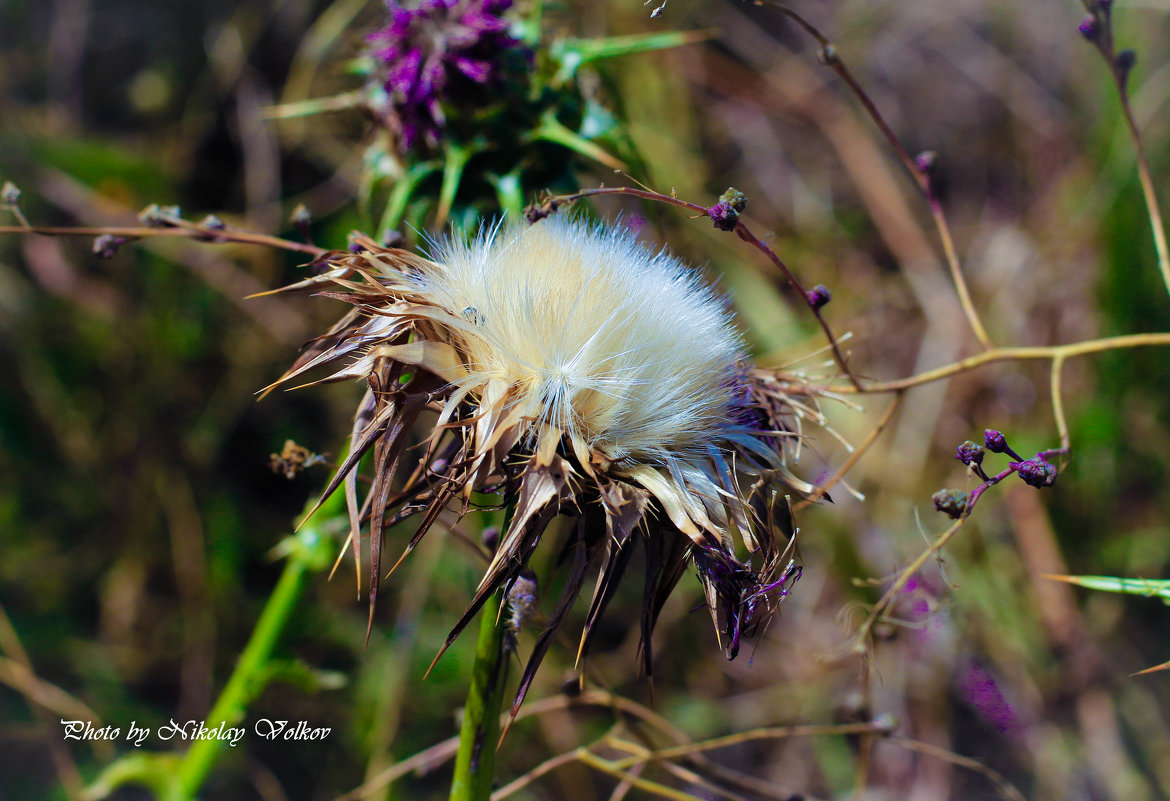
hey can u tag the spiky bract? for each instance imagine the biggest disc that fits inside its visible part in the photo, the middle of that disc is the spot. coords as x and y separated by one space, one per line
572 371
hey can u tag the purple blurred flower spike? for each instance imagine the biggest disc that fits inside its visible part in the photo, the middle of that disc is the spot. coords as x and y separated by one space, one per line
429 55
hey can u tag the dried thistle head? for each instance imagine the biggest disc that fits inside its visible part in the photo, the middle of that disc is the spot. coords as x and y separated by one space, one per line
571 371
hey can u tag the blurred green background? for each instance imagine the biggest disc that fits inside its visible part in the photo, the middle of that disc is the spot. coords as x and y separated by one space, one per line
138 511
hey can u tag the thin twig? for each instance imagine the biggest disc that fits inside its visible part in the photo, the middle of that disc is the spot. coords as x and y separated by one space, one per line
1103 40
431 758
762 733
1006 788
605 766
1148 191
860 451
185 231
1058 404
646 755
919 172
314 105
548 766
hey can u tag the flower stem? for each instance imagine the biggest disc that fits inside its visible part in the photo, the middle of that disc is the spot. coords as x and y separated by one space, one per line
475 763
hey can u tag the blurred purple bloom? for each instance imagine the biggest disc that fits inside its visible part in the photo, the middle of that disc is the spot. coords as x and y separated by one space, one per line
982 691
428 53
1089 28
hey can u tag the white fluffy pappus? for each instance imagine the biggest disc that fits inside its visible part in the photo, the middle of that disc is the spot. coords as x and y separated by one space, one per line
596 335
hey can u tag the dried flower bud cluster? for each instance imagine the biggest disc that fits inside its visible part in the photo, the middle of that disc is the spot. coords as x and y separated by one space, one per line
995 441
970 453
1036 472
725 213
819 296
951 502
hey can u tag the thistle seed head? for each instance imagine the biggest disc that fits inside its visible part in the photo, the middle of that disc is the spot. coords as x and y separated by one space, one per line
572 370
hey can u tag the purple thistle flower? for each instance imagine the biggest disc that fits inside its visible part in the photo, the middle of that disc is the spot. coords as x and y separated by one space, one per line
433 53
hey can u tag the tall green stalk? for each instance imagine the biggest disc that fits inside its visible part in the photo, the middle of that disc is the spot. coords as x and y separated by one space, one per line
475 763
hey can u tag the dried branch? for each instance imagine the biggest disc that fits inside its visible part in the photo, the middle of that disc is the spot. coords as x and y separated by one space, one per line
920 168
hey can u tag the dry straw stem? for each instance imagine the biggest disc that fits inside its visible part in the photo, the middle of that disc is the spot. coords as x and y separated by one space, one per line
751 735
46 702
431 758
1012 354
831 58
624 768
1006 788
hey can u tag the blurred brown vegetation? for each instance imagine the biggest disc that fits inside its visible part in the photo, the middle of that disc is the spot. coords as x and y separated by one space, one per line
137 507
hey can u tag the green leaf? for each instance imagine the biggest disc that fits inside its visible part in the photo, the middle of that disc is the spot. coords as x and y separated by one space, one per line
400 196
1147 587
570 53
457 157
552 130
302 675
